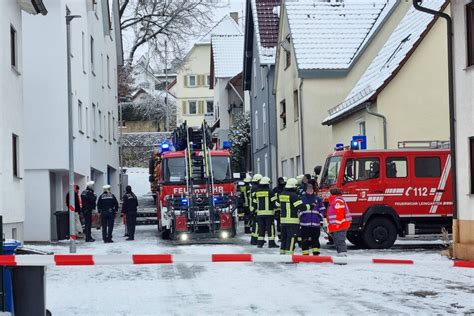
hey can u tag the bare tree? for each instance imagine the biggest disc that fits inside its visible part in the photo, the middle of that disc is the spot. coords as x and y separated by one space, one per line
154 107
155 21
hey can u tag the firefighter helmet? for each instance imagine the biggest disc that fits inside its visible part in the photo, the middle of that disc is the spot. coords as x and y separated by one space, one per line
265 180
248 179
291 183
300 178
257 177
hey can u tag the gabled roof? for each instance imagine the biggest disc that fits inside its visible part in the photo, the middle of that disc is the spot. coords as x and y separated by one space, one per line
393 55
227 52
332 35
226 26
266 22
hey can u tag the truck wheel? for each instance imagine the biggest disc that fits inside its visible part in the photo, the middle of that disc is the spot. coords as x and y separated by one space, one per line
356 240
379 233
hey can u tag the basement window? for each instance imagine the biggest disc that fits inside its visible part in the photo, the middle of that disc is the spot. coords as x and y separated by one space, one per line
283 114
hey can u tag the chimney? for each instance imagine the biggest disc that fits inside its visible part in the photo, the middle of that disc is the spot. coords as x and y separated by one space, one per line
235 16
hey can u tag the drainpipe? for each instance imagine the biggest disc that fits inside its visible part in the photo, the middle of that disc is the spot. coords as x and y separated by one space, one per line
300 94
384 119
452 106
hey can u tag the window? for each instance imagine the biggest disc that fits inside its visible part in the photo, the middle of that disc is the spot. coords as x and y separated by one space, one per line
258 165
144 85
92 56
102 77
255 77
470 33
266 165
264 127
287 48
362 169
362 128
471 147
108 71
79 117
83 48
192 107
256 130
292 167
298 165
16 155
13 48
104 126
100 123
208 80
284 168
296 108
262 77
209 106
87 121
192 81
282 114
113 127
94 121
396 167
109 127
427 167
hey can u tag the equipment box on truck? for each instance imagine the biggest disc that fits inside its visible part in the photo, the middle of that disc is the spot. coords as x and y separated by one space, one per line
392 192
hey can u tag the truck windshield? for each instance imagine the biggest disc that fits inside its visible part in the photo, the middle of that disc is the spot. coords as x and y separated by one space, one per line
331 171
175 169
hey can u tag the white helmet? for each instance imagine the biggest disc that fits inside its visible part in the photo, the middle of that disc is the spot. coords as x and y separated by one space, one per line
106 187
291 183
90 184
257 177
265 180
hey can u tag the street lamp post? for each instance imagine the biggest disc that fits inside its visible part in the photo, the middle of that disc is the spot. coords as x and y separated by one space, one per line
72 227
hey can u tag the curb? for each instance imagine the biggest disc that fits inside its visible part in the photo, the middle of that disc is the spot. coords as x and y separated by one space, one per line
141 259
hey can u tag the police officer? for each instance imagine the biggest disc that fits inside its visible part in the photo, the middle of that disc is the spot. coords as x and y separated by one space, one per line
253 216
290 204
108 208
89 199
264 204
129 210
281 182
244 190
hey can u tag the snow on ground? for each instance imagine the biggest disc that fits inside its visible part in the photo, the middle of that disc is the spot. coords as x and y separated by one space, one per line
253 288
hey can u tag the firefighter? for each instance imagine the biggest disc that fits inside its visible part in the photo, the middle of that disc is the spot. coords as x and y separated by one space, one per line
245 189
281 182
290 204
129 210
89 199
310 220
339 220
108 208
253 216
264 205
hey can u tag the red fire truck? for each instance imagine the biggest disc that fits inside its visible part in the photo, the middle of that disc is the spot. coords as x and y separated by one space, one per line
400 192
194 187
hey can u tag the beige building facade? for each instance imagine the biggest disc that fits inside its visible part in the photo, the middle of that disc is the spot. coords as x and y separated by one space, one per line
463 18
414 96
303 96
194 99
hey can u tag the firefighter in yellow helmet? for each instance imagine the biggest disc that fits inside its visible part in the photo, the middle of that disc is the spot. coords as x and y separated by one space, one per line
290 204
253 215
264 205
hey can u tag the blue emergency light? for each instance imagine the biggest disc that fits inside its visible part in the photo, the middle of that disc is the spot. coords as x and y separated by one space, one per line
226 144
359 142
165 147
339 147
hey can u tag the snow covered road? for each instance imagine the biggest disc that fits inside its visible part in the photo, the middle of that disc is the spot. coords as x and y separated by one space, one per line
253 288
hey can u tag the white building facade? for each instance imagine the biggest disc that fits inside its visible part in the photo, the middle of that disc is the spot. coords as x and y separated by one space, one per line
96 51
463 18
12 193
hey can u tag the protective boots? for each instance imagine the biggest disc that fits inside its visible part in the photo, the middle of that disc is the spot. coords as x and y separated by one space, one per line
253 241
272 244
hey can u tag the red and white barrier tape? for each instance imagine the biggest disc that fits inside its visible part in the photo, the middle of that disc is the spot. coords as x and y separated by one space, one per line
138 259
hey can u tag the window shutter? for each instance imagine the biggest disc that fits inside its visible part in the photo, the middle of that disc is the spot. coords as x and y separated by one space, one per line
200 80
201 107
185 81
184 107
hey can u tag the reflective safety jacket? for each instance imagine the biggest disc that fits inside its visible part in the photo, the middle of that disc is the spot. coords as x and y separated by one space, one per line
338 214
290 204
244 194
316 212
250 191
276 192
263 202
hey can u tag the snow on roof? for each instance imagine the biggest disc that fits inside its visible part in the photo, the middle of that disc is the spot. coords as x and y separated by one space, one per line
392 55
226 26
266 24
330 35
228 52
